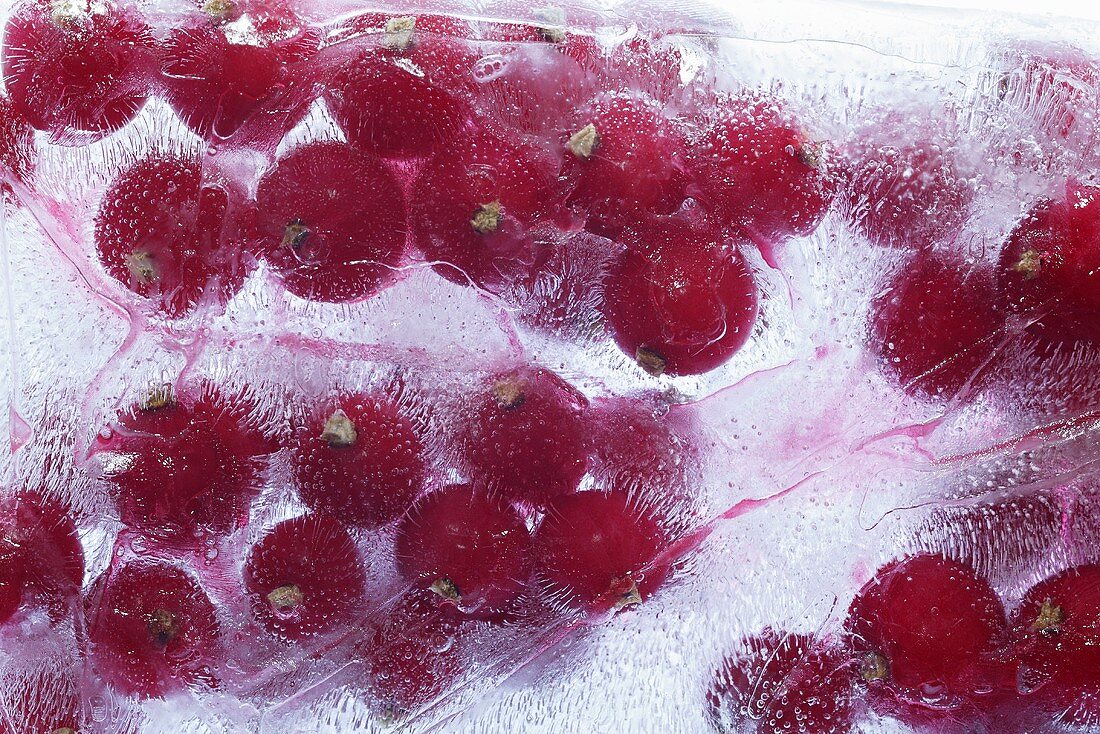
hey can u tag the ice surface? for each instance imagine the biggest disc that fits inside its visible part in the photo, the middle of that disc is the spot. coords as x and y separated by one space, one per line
801 467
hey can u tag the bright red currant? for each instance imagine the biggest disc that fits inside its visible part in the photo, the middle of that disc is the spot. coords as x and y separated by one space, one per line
783 684
41 559
359 459
305 577
77 70
468 547
927 628
756 170
937 323
16 143
152 627
167 229
186 464
680 300
221 71
331 223
1050 267
625 160
598 551
479 204
523 435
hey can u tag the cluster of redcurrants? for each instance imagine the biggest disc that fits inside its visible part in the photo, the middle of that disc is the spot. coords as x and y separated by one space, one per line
926 642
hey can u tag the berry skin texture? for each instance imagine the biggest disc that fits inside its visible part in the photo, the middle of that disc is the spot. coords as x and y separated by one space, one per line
167 230
41 559
305 578
1050 266
411 657
1055 636
909 196
331 223
478 204
407 95
76 70
217 81
935 326
680 300
359 460
926 629
624 160
523 436
757 171
186 464
782 684
152 628
467 547
594 551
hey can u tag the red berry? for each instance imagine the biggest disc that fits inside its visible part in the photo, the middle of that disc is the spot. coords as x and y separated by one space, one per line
625 160
166 229
645 66
937 323
407 96
359 460
187 464
16 143
76 70
478 204
466 546
909 196
219 74
597 551
305 578
41 559
927 628
640 443
1051 89
1056 636
523 436
331 222
41 696
152 627
756 169
782 684
1050 264
680 300
411 657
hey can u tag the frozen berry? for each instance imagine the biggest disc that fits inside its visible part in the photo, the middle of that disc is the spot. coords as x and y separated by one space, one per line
1052 89
304 578
937 323
625 159
76 69
755 169
41 696
186 464
1056 637
41 559
909 196
223 72
478 202
640 442
152 627
927 628
523 435
1050 266
411 656
331 222
167 229
680 300
466 546
647 66
407 95
359 460
782 684
16 143
598 551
